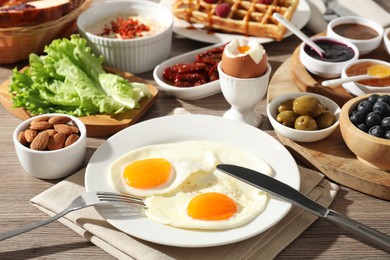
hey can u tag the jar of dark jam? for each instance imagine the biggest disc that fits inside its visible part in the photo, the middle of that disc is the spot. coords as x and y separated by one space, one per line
334 51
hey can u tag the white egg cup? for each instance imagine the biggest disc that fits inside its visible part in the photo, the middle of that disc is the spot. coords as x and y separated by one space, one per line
243 94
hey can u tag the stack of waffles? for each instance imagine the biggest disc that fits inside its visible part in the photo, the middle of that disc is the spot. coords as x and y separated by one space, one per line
246 17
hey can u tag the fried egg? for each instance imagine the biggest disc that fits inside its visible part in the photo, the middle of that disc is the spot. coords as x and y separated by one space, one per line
183 188
159 169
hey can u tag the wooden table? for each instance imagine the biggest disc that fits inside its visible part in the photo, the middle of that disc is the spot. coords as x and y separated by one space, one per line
55 241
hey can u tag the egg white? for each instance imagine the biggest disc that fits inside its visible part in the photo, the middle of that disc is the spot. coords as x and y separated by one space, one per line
256 51
171 208
184 157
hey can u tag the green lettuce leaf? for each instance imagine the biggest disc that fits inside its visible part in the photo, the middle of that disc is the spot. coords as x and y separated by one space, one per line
71 79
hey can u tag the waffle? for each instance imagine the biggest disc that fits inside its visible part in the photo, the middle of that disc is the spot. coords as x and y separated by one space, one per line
246 17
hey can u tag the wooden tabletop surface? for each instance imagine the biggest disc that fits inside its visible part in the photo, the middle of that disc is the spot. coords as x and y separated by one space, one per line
321 240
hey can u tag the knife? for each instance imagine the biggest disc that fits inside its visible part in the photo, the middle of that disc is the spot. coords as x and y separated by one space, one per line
285 192
335 9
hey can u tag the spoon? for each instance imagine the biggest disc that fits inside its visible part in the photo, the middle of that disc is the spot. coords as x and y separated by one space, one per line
373 72
299 34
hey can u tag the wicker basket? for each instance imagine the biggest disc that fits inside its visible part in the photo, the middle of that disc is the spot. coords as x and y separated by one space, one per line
16 43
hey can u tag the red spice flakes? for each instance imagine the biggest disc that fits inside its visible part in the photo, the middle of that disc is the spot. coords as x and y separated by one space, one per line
125 28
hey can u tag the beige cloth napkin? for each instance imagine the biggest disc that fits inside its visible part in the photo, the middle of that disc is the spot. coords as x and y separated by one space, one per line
365 8
89 224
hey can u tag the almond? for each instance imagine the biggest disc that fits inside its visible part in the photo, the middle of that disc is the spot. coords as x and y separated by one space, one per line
56 141
59 120
30 135
75 129
40 125
22 138
39 119
40 141
63 128
51 132
71 139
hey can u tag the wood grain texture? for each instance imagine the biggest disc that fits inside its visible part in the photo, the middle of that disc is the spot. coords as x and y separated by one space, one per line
97 125
331 155
321 240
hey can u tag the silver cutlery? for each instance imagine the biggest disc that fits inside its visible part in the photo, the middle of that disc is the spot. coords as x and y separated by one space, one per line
285 192
84 200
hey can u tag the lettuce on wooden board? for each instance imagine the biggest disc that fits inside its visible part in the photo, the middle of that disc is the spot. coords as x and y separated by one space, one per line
71 79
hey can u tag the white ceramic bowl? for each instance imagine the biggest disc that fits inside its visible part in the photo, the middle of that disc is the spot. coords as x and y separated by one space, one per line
364 46
302 135
386 39
136 55
321 68
358 89
187 93
51 164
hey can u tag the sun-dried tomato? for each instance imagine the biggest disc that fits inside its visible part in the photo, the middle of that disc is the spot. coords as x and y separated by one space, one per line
203 70
125 28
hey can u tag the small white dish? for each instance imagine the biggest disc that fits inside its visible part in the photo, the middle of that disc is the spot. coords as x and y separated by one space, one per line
177 128
243 94
188 93
302 135
137 55
358 89
51 164
386 39
323 68
365 46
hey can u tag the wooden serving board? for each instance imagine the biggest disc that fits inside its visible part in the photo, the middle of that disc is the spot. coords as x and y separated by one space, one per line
97 125
330 156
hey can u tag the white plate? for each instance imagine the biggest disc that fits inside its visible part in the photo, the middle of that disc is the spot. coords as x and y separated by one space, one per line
189 93
176 128
299 19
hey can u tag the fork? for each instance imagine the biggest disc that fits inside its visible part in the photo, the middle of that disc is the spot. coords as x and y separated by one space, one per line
84 200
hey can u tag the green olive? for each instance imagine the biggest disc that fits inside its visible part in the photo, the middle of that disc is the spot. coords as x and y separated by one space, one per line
305 123
286 105
287 118
307 106
325 120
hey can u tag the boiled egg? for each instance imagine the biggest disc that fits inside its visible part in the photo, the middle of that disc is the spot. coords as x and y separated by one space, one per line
243 58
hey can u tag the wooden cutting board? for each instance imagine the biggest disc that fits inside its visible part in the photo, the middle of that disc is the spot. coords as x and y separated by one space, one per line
330 156
97 125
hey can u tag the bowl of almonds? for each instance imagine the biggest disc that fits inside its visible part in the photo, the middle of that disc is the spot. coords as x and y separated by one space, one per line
50 146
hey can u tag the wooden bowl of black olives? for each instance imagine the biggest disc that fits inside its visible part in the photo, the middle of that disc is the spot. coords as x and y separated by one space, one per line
365 128
303 117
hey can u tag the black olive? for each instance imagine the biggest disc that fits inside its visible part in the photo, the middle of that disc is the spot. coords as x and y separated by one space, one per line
382 108
364 107
377 131
373 118
372 99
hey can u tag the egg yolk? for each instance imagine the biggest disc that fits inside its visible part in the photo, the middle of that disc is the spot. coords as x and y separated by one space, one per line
243 49
211 206
148 173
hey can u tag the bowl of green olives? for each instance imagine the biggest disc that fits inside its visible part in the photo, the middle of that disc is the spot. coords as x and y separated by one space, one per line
303 117
365 128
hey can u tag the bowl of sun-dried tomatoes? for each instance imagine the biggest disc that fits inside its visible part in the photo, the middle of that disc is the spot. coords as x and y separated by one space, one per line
131 35
192 75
